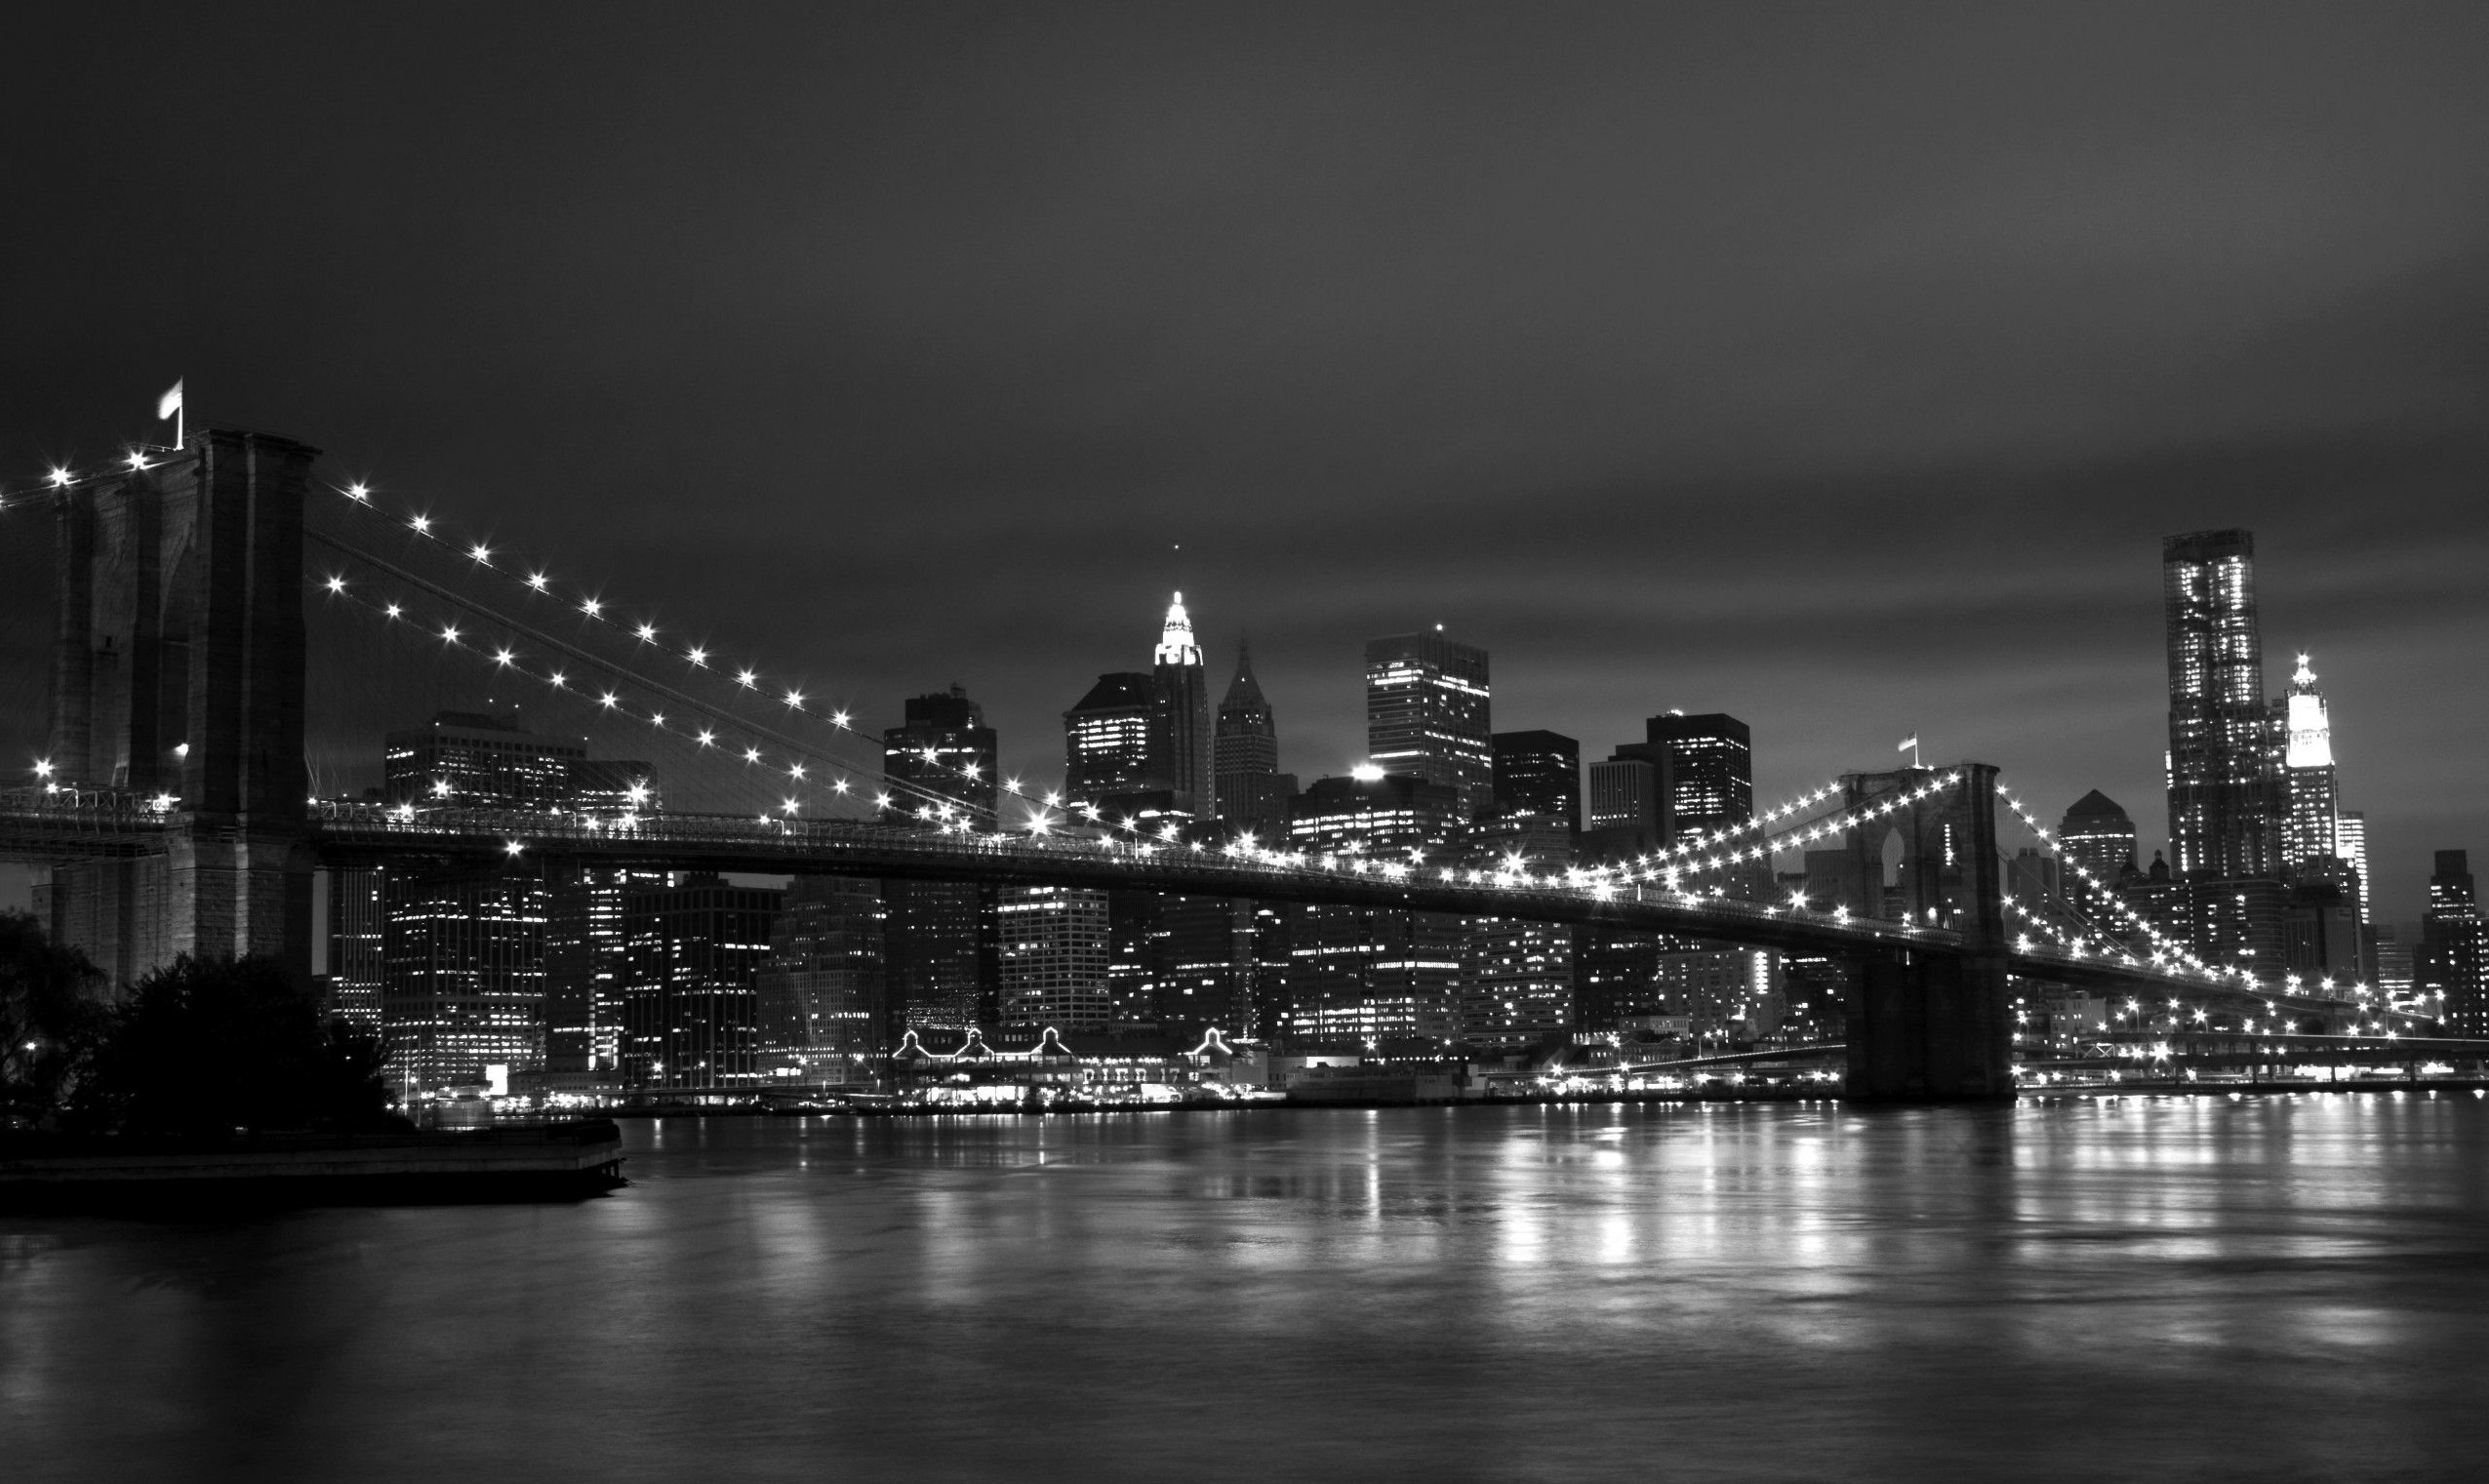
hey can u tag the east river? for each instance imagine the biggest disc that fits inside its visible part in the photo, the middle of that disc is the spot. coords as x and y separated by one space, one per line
2265 1289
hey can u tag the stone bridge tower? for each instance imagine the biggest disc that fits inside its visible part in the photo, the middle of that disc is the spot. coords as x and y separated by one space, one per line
178 669
1928 1024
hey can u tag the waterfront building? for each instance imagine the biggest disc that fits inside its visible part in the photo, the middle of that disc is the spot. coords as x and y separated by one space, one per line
692 951
2453 967
358 922
1183 747
461 948
1054 953
585 967
939 950
1516 977
1538 773
1221 963
1252 793
820 994
1427 715
1360 973
2097 834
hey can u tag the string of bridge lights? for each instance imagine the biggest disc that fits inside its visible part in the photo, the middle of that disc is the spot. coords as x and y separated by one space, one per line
1819 827
2160 941
937 806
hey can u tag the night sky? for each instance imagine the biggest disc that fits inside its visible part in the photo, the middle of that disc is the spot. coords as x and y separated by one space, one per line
1841 370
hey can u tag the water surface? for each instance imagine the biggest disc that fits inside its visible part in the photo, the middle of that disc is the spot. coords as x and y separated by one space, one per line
2278 1288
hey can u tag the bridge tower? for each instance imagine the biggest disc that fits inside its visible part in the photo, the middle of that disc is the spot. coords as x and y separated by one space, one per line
178 669
1930 1024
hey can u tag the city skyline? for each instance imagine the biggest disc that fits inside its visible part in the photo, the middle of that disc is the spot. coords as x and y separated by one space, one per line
1886 440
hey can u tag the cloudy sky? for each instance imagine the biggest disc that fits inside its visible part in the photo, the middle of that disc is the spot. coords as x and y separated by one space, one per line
1840 369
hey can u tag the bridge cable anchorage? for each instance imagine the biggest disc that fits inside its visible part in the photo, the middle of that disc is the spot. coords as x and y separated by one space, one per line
747 678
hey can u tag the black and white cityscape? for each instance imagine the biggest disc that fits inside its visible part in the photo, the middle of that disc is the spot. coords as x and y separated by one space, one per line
1081 741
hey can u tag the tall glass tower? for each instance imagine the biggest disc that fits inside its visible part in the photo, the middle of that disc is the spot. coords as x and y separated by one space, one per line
1427 715
1183 743
2223 819
2311 826
1245 756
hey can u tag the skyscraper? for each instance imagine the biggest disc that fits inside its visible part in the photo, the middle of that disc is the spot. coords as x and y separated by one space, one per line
689 995
1538 772
1252 793
2311 790
2222 813
1705 766
1625 806
1182 746
2453 967
942 753
1427 715
1516 977
1107 740
820 994
462 946
1365 973
1054 961
2351 842
2097 835
939 937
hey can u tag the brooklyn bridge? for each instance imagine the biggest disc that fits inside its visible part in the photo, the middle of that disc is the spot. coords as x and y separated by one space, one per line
175 809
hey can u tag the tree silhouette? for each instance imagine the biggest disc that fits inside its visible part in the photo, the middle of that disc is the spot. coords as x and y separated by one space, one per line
52 1019
213 1047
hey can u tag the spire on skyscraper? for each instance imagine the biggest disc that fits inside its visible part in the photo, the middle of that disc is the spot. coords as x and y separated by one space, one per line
1244 690
1174 641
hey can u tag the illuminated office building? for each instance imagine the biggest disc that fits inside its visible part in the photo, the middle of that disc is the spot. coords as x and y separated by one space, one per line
1182 745
820 994
2222 808
2097 835
2225 766
1362 974
1106 741
1516 977
1054 961
2453 963
1538 772
1427 715
1252 792
939 937
463 948
2311 788
693 954
943 754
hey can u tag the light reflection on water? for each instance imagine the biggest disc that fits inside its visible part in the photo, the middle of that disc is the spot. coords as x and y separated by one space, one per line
2271 1288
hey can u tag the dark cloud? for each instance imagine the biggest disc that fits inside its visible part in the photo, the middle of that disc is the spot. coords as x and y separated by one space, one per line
1840 369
